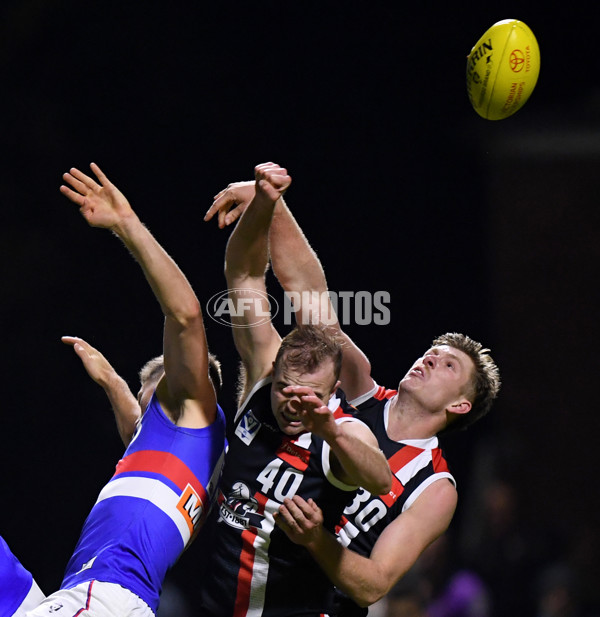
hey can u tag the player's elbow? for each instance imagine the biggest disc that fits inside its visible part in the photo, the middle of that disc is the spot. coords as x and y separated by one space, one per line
380 485
193 310
380 482
188 313
386 484
368 599
366 595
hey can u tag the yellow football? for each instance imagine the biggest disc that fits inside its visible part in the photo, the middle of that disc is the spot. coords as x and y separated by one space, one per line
502 69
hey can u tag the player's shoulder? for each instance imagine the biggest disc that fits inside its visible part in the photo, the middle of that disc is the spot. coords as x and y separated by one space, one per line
441 495
377 396
256 398
340 406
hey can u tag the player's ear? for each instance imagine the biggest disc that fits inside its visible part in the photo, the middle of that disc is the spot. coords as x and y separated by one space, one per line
459 407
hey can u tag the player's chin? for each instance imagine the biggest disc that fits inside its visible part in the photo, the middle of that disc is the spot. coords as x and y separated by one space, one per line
290 427
409 382
295 428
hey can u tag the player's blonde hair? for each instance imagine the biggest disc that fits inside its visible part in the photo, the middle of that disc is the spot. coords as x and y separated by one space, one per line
154 368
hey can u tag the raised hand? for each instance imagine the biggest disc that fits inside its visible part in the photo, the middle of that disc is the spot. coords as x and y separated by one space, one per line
272 181
229 204
238 194
101 205
125 405
314 414
96 365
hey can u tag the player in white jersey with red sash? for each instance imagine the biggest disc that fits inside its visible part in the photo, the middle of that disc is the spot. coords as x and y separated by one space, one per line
285 441
415 465
449 387
163 486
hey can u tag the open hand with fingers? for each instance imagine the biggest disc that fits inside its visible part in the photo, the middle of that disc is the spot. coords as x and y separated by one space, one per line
96 365
231 202
125 405
301 520
101 203
314 414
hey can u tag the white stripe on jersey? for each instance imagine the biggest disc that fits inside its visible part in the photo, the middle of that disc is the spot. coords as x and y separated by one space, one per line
359 400
333 403
260 572
417 492
303 440
260 565
154 491
412 468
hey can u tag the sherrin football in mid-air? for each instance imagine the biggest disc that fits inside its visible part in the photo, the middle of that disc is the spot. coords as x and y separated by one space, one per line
502 69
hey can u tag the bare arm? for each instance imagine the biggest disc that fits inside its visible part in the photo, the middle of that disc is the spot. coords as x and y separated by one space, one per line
299 270
368 579
123 402
357 459
355 456
186 391
301 275
246 260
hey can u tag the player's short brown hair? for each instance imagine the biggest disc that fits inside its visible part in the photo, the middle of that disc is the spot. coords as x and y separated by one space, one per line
306 347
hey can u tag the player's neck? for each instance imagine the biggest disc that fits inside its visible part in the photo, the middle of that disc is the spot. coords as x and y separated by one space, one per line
407 420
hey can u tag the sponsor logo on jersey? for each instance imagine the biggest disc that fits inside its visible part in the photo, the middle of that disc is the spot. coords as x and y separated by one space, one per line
248 427
293 454
191 507
240 510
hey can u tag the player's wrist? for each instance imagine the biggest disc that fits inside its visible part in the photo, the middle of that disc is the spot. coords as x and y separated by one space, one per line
127 226
318 543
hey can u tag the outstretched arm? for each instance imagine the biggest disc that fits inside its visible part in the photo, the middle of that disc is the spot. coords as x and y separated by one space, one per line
246 260
186 391
300 273
355 455
124 404
368 579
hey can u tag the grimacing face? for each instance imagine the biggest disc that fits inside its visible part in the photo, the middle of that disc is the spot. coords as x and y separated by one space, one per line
287 407
439 378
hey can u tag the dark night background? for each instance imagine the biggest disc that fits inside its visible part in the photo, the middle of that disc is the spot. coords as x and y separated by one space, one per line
489 228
